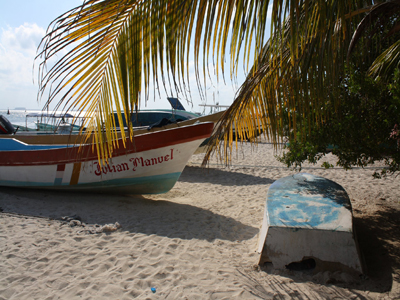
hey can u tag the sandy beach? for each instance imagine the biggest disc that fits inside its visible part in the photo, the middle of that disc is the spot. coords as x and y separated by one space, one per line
197 241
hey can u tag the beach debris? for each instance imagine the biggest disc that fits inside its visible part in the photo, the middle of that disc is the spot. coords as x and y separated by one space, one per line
76 221
71 218
100 229
73 221
153 290
111 227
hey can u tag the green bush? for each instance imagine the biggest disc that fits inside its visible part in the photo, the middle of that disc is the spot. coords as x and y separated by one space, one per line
364 128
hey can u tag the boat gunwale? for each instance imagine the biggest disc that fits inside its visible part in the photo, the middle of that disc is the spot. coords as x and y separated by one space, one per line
88 152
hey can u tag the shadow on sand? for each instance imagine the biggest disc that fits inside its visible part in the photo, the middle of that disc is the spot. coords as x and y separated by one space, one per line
136 214
222 177
379 240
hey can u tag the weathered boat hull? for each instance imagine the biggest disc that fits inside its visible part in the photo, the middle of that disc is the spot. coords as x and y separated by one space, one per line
149 165
308 224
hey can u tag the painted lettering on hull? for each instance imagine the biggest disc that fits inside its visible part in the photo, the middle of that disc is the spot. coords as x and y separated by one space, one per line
134 164
110 168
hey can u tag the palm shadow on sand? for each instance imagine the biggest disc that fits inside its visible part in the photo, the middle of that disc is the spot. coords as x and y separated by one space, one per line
222 177
136 214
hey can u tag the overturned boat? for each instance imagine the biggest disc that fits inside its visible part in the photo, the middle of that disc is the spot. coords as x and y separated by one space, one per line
308 225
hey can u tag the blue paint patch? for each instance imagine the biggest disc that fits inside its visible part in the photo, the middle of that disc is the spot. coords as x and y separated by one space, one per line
7 144
58 181
144 185
306 201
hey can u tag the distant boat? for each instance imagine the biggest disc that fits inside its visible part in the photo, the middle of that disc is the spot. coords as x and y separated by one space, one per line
151 164
151 117
62 123
52 122
157 117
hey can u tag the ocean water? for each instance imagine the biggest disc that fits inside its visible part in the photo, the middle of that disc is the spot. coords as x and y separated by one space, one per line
18 117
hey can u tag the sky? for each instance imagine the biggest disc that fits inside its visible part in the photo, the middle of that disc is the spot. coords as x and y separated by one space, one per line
23 23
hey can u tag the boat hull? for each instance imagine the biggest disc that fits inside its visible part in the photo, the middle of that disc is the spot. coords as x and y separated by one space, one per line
151 164
308 225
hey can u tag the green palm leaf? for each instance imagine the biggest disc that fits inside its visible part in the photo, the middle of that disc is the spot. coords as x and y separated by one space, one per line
381 15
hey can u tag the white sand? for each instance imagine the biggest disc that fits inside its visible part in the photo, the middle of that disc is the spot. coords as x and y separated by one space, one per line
196 242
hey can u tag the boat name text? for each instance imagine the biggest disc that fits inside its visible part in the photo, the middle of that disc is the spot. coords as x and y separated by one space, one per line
134 163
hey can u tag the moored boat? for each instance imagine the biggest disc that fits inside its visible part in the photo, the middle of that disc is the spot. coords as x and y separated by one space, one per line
150 164
52 123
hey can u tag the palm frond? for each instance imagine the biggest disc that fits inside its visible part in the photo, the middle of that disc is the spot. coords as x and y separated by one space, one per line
119 49
291 79
381 11
387 62
380 24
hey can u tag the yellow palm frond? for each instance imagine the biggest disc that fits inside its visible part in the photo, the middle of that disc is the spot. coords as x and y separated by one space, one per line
295 52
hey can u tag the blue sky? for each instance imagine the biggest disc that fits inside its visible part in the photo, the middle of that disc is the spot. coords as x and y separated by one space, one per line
22 25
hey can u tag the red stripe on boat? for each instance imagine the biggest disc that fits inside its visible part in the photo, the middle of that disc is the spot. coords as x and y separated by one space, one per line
61 167
143 142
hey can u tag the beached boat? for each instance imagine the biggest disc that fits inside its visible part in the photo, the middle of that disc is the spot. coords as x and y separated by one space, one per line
50 138
151 164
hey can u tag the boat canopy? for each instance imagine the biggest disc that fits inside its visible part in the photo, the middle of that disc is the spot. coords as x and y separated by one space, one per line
49 115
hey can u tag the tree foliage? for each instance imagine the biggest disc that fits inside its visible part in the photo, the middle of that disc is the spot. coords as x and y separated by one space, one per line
363 130
363 125
120 49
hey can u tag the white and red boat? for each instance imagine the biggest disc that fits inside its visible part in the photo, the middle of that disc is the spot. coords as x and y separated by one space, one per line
151 164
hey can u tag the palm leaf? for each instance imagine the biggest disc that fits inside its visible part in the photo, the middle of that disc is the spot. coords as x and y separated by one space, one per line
287 86
116 48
